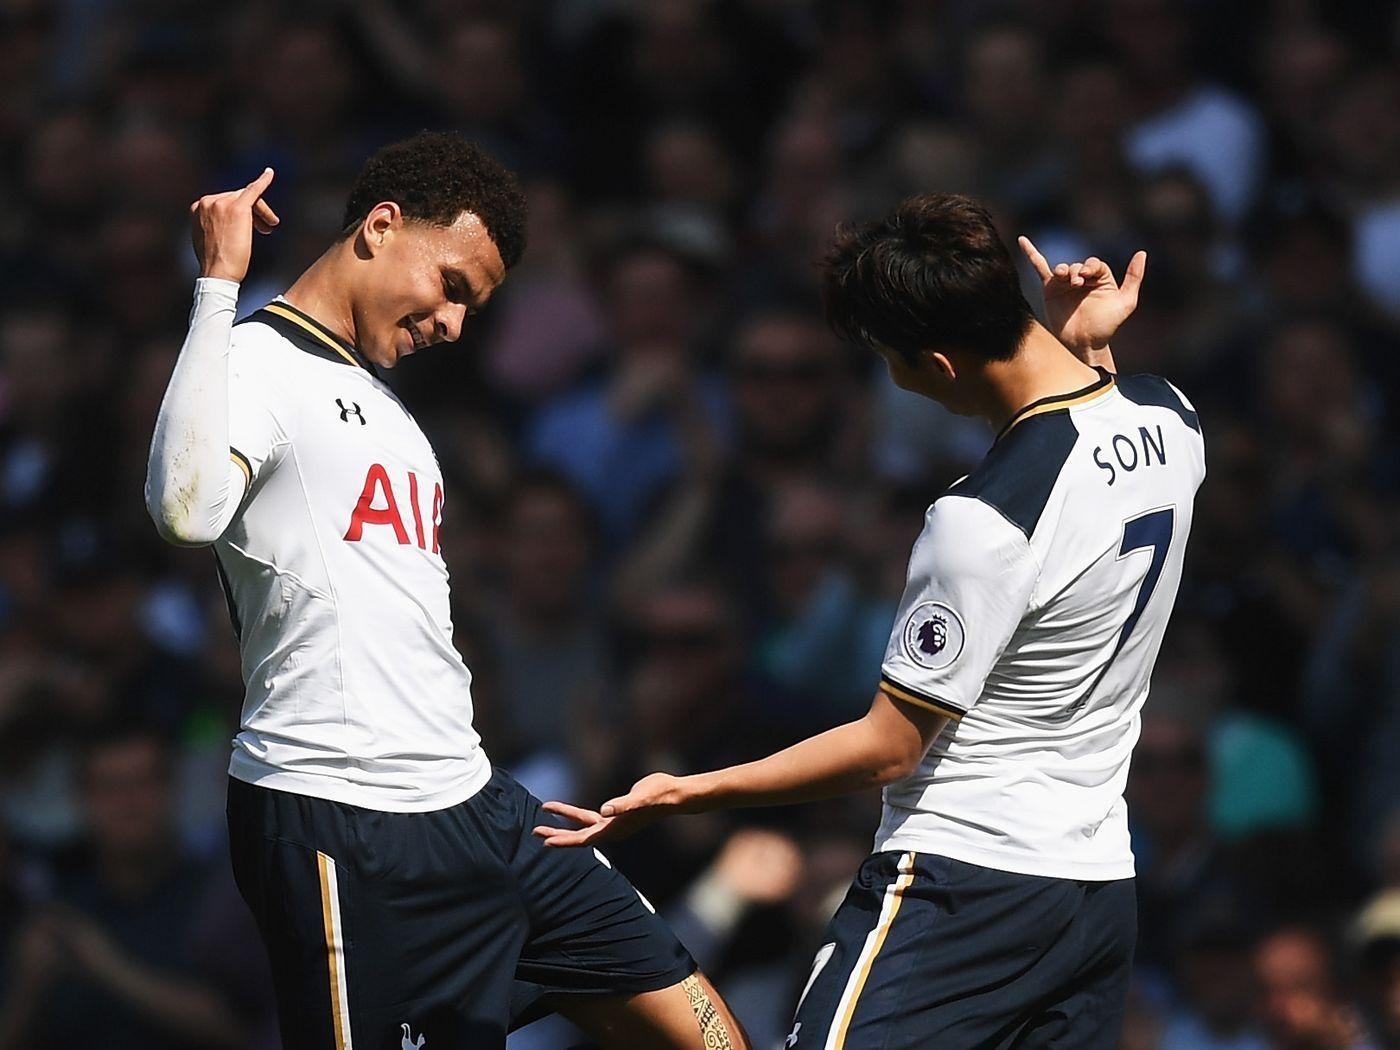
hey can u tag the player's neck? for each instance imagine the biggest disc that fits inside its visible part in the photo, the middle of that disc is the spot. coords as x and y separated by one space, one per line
323 291
1042 368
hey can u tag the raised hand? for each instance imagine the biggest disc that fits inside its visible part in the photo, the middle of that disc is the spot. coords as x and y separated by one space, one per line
1084 303
224 225
650 799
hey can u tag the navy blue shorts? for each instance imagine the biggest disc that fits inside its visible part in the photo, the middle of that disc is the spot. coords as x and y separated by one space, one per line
449 927
928 951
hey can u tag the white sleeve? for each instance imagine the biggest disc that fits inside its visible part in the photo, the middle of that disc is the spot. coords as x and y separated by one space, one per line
970 580
214 429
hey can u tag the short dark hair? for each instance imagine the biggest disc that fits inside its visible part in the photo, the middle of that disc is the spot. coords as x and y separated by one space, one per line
433 177
933 272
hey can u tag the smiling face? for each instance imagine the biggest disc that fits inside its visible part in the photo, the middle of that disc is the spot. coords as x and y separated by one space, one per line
421 281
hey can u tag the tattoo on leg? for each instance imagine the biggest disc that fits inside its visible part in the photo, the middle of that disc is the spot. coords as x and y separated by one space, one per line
712 1027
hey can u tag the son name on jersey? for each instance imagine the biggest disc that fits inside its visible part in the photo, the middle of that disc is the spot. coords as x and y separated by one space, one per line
1145 450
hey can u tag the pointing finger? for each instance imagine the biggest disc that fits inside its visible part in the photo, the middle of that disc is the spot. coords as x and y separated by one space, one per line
257 187
564 837
575 813
1033 254
548 832
558 837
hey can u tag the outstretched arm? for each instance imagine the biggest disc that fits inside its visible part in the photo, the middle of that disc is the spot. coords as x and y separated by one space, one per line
193 482
1084 304
885 745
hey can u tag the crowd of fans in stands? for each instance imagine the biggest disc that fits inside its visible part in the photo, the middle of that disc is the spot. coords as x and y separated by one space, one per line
678 510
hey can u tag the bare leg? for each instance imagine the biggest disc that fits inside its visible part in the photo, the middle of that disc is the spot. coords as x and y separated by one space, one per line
686 1016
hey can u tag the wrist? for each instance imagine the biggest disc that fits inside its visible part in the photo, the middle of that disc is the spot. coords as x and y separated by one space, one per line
690 794
212 283
1081 345
1098 357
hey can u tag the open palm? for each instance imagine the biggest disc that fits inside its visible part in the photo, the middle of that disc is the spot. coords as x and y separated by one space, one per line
651 798
1084 303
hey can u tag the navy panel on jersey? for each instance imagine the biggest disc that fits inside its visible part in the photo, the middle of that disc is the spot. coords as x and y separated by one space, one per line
1020 471
1154 390
454 922
929 951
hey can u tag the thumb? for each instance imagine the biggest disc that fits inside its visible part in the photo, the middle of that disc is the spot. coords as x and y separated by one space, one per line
1132 277
614 806
257 187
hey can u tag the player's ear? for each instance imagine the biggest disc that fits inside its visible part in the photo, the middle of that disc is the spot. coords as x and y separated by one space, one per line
379 225
941 364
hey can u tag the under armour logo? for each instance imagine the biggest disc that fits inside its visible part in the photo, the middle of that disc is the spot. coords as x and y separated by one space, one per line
353 410
408 1043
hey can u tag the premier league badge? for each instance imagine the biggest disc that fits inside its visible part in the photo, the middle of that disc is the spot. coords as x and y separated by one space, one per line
933 635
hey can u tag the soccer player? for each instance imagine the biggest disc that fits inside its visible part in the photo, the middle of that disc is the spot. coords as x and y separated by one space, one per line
997 908
392 871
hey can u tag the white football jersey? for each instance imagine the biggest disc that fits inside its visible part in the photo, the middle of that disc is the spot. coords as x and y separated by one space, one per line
1037 598
336 582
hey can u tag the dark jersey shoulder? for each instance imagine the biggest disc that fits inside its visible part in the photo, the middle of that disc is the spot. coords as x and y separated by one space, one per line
1020 471
1148 389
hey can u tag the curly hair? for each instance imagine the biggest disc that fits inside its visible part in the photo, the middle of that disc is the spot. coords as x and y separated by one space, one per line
433 177
933 272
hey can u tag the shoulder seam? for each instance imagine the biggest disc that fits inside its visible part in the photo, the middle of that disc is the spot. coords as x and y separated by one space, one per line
987 503
1002 480
1030 547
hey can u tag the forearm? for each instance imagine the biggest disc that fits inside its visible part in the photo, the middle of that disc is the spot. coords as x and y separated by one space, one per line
192 486
852 757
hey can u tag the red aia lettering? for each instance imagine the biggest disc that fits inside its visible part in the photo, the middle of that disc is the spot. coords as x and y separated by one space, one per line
413 500
437 514
366 513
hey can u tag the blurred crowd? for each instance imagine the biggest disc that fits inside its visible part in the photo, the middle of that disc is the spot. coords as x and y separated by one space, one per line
678 512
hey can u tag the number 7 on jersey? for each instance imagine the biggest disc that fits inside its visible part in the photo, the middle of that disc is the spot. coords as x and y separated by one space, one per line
1153 531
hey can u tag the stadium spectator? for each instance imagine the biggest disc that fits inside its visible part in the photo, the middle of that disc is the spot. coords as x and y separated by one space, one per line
1376 937
1182 868
547 644
1219 992
620 440
661 346
792 423
1183 118
107 961
1304 1007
